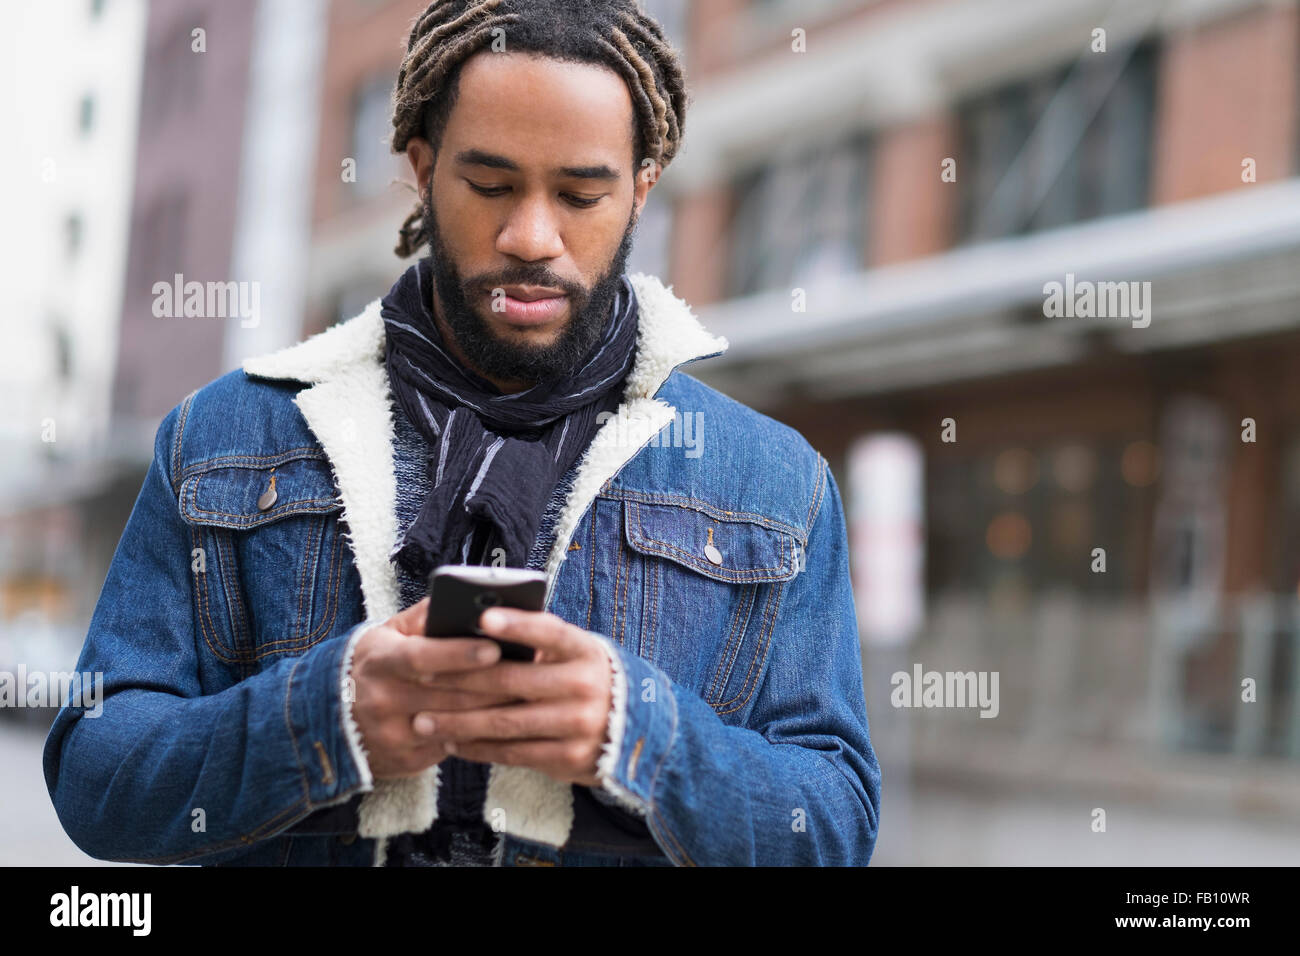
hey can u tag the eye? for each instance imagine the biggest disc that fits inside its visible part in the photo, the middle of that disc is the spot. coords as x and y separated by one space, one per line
491 191
581 202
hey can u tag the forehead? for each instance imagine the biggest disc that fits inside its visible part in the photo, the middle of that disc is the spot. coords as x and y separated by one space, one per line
541 111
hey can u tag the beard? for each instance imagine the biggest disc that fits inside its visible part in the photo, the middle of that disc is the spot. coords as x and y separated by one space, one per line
493 357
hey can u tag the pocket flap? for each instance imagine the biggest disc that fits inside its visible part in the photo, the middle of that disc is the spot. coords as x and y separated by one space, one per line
227 492
744 548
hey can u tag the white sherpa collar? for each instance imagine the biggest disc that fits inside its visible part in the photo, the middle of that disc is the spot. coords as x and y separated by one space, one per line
349 409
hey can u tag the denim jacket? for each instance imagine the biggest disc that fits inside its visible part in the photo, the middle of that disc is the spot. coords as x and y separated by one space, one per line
702 542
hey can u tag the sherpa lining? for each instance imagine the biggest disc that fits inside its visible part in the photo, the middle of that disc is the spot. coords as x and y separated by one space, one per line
349 409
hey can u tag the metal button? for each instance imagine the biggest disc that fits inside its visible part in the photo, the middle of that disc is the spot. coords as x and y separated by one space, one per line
268 497
713 554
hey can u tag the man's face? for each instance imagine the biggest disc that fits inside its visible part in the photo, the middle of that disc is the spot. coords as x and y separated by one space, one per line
531 207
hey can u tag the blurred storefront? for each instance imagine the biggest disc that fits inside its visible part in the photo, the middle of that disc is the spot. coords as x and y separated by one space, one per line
1109 515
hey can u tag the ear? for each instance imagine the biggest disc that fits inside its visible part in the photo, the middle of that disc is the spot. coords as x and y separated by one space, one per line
646 178
422 157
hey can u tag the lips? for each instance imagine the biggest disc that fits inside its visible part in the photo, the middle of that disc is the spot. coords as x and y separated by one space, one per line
528 305
531 293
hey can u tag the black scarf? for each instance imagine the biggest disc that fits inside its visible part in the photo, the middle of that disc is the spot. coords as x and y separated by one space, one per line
494 459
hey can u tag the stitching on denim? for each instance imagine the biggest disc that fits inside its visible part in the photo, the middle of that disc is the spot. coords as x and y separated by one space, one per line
652 573
230 578
209 631
768 629
176 449
747 576
308 505
190 488
672 838
333 579
713 511
735 641
730 646
288 726
822 472
654 779
302 575
301 642
618 575
245 839
641 541
301 453
591 557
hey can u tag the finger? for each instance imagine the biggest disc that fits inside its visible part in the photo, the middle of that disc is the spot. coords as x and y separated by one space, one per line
569 679
553 720
541 629
420 660
411 620
409 698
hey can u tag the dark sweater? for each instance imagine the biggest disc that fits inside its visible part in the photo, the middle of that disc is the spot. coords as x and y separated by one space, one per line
459 835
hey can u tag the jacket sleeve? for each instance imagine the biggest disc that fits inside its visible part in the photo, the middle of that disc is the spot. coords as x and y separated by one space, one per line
159 772
800 784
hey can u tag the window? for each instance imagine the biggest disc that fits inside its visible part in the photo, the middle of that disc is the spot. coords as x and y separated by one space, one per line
62 349
173 80
800 217
158 242
86 114
372 113
73 233
1067 146
1029 516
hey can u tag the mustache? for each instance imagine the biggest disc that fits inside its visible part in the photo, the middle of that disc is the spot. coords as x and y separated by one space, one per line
527 275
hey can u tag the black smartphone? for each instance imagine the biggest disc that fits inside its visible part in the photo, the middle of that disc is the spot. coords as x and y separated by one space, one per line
459 593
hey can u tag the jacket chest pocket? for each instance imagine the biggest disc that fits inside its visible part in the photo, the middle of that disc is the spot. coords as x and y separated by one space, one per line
711 584
269 560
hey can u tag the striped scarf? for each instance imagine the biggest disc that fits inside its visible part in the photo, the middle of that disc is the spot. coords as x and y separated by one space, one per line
493 458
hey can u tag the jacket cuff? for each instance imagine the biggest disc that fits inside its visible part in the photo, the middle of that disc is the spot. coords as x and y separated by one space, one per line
347 697
642 724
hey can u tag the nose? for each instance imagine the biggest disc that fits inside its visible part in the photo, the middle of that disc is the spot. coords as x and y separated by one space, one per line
531 232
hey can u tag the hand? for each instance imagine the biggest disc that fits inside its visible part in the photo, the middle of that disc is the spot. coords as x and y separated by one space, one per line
393 668
559 727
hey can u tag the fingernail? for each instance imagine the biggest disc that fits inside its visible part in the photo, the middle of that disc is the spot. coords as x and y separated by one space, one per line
449 746
492 620
487 653
424 724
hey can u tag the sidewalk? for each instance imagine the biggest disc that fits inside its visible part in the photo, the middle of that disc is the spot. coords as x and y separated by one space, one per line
30 833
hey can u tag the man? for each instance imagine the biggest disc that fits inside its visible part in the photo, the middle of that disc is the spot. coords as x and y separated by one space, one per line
696 691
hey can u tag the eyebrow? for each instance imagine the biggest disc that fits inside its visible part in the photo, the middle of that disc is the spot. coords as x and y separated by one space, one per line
478 157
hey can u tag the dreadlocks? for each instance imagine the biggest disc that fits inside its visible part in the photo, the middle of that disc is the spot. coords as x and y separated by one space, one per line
616 33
